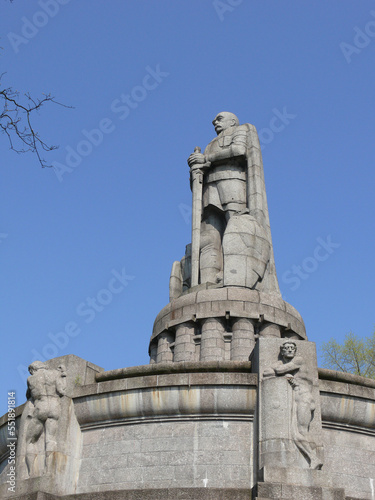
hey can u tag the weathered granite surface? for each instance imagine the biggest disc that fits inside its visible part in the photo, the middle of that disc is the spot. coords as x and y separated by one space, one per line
146 494
178 426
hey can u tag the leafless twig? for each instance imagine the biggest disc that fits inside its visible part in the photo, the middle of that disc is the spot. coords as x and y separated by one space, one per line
16 121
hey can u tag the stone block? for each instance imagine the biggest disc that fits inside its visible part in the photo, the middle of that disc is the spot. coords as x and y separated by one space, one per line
140 382
112 385
243 294
206 378
269 490
204 309
212 295
189 311
174 379
185 300
79 371
252 309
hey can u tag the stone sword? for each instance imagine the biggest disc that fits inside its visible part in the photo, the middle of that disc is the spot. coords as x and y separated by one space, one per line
197 188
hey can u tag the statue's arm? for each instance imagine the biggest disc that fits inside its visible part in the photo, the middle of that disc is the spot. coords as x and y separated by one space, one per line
234 151
269 372
292 366
237 148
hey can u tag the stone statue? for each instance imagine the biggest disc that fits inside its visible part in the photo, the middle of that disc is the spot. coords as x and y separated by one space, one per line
45 387
49 437
294 369
231 237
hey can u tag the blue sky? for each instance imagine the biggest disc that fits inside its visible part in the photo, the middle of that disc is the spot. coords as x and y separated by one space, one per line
114 213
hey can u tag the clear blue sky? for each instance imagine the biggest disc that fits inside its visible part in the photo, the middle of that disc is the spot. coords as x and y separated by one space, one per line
123 207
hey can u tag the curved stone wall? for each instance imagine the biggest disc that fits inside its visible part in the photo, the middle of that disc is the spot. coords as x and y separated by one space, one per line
192 426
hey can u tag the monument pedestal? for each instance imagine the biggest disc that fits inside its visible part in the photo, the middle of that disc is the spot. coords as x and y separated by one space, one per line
184 329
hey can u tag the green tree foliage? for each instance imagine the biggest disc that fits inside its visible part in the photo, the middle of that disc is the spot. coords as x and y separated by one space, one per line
356 355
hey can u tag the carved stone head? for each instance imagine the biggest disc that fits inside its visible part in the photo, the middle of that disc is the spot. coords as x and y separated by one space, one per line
35 366
224 120
288 350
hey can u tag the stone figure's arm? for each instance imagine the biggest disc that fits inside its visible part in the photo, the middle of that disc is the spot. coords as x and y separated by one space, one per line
198 160
236 149
272 370
292 366
269 372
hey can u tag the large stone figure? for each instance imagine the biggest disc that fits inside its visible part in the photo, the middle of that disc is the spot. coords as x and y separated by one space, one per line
224 293
235 247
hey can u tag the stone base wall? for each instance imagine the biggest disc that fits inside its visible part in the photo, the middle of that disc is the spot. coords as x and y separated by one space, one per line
350 461
167 454
189 431
161 494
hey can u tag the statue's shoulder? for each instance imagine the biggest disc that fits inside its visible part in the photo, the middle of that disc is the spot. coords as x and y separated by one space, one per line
299 361
241 134
251 133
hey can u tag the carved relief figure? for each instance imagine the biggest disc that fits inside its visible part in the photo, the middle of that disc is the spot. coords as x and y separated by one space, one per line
45 387
231 237
294 369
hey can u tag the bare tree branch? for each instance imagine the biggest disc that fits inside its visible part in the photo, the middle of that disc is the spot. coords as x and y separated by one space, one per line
16 121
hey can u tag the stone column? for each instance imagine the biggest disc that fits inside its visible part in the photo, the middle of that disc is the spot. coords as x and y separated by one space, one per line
212 342
165 353
270 330
184 348
242 339
153 352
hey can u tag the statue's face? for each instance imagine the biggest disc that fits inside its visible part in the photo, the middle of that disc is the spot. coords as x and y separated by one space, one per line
35 366
288 351
222 121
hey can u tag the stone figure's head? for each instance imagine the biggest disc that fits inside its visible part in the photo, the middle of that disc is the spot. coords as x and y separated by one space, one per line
288 349
35 366
224 120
